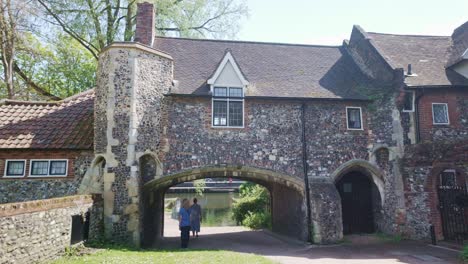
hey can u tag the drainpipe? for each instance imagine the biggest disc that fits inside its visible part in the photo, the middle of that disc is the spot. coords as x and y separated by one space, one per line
305 165
416 116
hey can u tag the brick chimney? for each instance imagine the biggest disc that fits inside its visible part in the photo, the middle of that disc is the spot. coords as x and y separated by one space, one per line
145 27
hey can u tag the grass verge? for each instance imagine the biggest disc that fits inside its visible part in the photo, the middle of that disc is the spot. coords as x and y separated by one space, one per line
124 255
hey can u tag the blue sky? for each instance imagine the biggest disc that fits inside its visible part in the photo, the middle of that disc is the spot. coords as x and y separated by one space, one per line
328 22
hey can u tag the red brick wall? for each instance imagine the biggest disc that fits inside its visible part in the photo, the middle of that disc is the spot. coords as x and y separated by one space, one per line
449 96
28 154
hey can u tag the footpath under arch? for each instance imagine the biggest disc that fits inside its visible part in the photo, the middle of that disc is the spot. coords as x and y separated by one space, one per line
288 203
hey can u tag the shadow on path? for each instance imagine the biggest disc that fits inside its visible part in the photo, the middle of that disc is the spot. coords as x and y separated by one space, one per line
285 250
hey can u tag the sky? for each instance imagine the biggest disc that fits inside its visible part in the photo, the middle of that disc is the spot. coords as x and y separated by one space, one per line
328 22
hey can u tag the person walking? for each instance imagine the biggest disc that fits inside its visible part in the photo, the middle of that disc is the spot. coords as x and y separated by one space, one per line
184 223
195 217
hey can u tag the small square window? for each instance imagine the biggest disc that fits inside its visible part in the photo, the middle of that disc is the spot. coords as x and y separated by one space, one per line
448 178
39 168
354 118
347 187
408 102
220 91
14 168
58 168
440 114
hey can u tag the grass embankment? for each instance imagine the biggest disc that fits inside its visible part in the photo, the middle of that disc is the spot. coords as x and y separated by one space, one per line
189 256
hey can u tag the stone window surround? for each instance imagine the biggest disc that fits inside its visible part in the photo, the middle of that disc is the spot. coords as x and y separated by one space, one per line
452 171
360 116
446 111
227 99
14 176
48 168
413 99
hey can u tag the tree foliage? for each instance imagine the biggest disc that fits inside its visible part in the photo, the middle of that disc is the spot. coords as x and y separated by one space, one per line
51 49
251 209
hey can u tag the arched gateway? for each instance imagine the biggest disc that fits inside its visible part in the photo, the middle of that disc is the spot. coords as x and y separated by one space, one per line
288 208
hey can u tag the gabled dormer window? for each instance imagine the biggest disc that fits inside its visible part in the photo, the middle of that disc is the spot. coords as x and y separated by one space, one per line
228 107
227 86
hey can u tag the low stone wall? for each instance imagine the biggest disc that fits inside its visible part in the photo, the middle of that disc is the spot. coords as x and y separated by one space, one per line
35 231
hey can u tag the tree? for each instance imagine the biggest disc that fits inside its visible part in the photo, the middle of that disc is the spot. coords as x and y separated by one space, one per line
97 23
8 38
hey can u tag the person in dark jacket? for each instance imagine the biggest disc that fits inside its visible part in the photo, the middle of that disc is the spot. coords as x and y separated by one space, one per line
184 223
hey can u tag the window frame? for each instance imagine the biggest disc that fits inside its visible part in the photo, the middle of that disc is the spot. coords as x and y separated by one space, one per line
49 161
227 99
5 175
454 177
413 96
360 116
448 115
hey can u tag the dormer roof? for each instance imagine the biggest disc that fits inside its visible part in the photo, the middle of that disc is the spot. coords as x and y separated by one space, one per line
228 63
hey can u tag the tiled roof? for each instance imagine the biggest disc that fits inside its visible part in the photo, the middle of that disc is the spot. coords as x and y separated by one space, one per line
67 124
272 69
427 55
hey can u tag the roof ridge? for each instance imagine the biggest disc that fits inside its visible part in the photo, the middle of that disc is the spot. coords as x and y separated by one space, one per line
377 48
253 42
24 102
409 35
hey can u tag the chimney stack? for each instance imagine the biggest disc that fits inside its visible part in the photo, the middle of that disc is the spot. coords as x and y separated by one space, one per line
145 27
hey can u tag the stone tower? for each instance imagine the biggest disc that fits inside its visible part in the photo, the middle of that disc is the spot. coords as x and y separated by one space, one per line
129 104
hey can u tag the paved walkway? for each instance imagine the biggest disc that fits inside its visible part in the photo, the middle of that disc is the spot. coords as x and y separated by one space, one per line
361 249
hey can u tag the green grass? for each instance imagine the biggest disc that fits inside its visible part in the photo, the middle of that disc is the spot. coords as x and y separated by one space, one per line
389 238
464 254
189 256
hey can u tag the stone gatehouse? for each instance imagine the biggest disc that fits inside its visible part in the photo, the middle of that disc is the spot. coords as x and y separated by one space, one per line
348 139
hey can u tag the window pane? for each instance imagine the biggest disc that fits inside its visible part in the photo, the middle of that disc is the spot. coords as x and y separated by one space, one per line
220 91
235 113
447 178
235 92
354 118
58 167
219 113
408 101
39 167
15 168
440 113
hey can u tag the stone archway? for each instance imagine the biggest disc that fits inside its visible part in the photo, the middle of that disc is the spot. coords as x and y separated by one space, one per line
287 198
360 185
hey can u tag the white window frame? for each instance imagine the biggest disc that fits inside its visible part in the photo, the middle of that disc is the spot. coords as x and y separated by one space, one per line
48 168
227 99
14 176
360 116
448 115
413 95
448 171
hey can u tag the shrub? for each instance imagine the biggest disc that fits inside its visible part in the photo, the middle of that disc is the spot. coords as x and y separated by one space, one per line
252 208
257 220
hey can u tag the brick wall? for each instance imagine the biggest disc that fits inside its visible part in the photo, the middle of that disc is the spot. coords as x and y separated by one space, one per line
457 102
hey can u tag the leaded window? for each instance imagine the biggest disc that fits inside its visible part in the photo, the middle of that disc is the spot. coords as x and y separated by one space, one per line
228 107
354 118
14 168
44 168
440 114
39 168
58 167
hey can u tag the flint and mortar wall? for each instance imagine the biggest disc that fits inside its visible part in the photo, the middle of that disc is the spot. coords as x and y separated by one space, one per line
36 231
132 79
